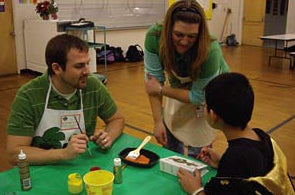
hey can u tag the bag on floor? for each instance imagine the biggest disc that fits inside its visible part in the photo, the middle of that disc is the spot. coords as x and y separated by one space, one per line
100 56
134 53
231 40
118 53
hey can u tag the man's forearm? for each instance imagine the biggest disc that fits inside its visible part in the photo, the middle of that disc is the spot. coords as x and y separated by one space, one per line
115 125
37 156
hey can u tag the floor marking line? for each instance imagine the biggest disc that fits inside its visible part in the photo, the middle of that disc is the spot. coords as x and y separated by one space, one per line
280 124
138 129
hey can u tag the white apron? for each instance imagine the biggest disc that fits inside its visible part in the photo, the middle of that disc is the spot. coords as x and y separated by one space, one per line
57 126
186 121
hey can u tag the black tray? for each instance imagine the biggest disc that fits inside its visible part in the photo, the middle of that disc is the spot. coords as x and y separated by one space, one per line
151 155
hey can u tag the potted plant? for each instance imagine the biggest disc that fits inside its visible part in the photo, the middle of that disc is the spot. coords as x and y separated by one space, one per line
53 9
46 8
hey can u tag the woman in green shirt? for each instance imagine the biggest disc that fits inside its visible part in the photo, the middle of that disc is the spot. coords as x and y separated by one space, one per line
182 48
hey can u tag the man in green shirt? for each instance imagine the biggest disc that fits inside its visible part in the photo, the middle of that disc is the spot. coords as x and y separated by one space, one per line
50 112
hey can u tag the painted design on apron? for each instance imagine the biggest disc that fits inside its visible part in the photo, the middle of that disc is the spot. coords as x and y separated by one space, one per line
57 126
50 139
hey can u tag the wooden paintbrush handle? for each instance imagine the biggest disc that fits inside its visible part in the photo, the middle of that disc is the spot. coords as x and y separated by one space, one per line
145 141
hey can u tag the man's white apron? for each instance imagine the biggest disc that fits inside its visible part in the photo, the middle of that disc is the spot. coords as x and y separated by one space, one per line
64 120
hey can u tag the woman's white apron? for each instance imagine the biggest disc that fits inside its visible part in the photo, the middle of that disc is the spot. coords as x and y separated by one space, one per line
186 121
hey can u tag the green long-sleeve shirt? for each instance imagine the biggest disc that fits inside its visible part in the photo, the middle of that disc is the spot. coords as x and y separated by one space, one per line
213 65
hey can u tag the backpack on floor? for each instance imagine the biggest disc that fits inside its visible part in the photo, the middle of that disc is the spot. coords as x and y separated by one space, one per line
101 53
134 53
231 40
118 53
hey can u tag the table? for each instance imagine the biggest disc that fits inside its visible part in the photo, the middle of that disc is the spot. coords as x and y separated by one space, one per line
281 37
52 179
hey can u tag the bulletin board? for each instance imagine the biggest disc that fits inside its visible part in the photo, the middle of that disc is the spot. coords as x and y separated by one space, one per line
2 6
207 5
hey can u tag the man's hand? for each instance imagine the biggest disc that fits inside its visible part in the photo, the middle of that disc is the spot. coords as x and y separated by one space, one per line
77 145
102 138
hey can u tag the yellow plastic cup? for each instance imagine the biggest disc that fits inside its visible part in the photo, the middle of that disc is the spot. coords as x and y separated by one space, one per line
99 182
75 185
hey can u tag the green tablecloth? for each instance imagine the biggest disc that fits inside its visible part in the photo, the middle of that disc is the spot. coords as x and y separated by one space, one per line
52 179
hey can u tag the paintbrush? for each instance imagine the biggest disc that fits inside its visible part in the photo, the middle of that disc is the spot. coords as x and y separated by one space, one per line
88 149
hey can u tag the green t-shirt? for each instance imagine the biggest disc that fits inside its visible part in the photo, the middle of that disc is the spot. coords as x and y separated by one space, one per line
28 105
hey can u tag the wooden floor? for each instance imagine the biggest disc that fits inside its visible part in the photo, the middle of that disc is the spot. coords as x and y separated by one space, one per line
274 88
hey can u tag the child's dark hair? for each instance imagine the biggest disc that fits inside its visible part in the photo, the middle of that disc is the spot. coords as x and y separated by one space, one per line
231 97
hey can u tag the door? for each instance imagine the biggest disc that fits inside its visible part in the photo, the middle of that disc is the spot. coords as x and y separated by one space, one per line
7 41
253 22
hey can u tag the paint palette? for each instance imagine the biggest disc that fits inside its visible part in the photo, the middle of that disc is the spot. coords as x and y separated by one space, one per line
154 158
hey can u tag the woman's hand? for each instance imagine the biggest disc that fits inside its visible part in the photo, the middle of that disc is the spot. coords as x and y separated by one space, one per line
160 133
153 86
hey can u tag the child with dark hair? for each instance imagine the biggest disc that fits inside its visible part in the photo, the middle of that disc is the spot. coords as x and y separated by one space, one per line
253 163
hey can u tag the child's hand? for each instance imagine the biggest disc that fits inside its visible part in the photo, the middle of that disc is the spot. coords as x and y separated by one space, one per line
188 181
209 156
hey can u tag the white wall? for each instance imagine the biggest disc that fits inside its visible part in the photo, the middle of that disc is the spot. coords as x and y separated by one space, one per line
21 12
120 38
124 38
290 27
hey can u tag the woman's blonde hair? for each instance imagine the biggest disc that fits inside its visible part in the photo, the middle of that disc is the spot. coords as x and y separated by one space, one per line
188 11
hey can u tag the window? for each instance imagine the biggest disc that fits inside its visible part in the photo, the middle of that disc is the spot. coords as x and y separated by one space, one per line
114 13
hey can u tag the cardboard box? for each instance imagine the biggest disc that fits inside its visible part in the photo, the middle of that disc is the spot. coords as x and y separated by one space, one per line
171 165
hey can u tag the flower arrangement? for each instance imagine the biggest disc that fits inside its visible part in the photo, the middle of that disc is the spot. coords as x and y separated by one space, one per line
45 8
53 9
